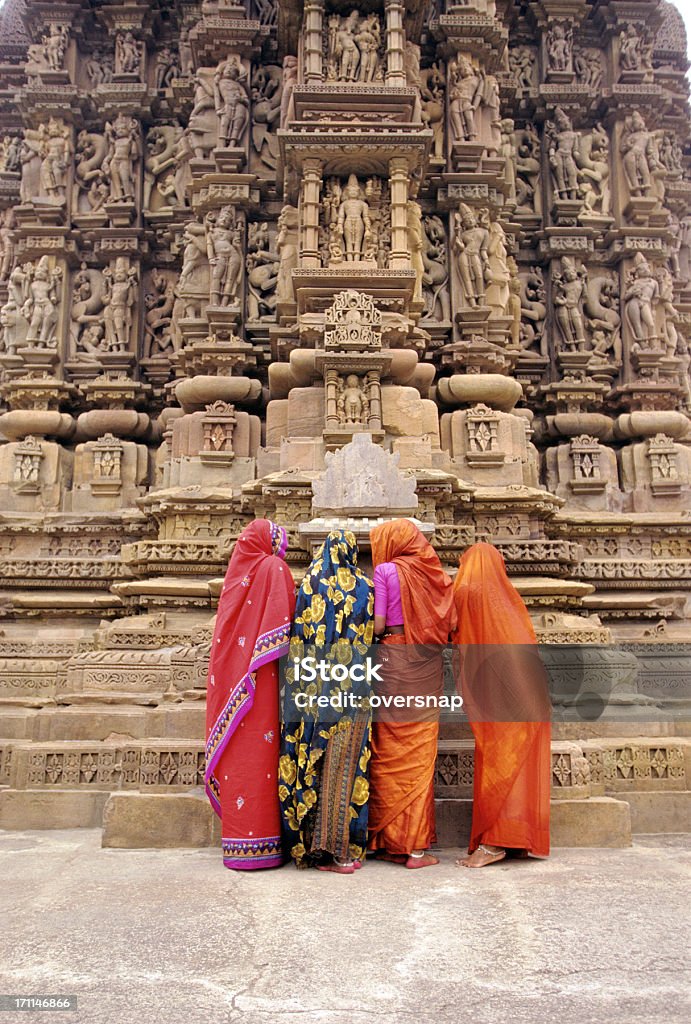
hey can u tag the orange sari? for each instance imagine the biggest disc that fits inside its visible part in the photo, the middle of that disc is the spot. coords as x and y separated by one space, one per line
404 753
506 697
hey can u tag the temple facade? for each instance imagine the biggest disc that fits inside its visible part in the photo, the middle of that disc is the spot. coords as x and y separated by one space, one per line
327 263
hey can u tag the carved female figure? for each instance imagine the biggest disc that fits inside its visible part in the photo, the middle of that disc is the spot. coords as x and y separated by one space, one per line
231 102
287 246
123 151
641 295
568 295
41 306
368 39
465 94
224 250
435 279
471 242
118 301
639 155
55 153
563 155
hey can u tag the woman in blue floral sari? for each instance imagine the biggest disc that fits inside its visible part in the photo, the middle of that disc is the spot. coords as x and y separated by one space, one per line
323 770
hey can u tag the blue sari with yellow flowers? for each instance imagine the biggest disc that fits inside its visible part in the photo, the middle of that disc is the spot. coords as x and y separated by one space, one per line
323 769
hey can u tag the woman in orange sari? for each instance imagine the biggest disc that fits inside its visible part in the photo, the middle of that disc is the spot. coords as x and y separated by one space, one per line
414 610
506 697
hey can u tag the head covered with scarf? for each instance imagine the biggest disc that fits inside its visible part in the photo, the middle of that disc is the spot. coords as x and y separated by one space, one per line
252 628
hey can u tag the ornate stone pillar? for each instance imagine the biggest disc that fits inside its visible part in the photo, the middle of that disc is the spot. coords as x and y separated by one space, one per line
313 53
398 179
310 205
395 43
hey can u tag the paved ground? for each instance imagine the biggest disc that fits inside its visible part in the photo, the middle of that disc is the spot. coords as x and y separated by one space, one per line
587 937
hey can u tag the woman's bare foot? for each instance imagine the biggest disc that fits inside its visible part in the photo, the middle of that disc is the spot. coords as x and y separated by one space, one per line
393 858
482 857
339 869
427 860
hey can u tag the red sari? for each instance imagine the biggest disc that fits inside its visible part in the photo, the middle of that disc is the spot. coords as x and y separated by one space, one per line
404 753
506 697
252 631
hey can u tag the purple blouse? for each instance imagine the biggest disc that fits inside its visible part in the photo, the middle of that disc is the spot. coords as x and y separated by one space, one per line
387 594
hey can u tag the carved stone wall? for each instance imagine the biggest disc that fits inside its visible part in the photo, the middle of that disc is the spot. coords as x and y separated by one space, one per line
237 237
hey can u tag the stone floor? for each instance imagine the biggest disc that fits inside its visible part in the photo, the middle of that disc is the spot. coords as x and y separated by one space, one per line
589 936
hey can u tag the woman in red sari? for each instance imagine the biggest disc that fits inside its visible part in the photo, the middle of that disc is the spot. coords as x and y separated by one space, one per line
506 697
252 631
414 610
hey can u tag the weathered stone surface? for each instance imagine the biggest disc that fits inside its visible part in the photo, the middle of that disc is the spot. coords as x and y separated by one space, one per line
135 821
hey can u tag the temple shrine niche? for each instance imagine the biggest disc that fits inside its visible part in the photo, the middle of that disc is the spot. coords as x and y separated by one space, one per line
249 247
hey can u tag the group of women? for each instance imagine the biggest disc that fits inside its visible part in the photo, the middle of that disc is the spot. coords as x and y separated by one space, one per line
325 788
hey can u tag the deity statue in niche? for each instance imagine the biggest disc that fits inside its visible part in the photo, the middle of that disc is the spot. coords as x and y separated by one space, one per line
641 295
563 154
471 243
465 96
353 223
231 101
634 51
435 280
119 298
639 155
122 137
224 251
568 294
352 403
559 45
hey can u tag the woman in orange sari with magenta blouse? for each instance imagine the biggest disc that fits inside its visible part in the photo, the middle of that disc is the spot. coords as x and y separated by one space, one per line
414 613
506 698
